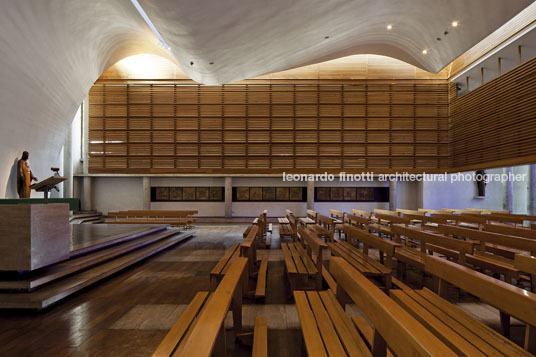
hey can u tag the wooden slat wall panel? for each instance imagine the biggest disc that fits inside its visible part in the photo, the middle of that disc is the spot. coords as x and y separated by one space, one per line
186 127
496 121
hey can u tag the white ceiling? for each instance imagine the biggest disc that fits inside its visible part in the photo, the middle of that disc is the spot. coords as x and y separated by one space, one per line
247 38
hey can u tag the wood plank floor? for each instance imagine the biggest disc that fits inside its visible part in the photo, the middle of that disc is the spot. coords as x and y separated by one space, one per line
131 312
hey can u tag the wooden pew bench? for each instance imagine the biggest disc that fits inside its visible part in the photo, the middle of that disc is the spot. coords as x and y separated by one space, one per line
454 326
309 219
429 242
224 264
527 264
325 227
508 299
303 260
327 330
510 230
383 227
358 221
248 249
426 222
496 251
362 213
338 219
360 260
288 230
394 328
179 218
200 330
265 230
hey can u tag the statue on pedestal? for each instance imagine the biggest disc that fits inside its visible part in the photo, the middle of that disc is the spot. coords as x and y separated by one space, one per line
24 176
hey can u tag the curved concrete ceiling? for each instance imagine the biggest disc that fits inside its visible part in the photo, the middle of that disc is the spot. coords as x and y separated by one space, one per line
52 51
247 38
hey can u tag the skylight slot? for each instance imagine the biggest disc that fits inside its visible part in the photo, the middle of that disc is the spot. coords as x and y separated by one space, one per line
150 24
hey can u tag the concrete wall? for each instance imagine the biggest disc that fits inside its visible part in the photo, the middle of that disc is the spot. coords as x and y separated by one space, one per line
461 195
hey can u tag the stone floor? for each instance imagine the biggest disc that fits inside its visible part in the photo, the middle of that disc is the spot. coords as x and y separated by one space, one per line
130 313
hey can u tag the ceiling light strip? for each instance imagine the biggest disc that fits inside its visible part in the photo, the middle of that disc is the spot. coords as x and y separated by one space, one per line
149 23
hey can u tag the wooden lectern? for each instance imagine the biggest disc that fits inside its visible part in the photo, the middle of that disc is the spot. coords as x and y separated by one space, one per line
48 184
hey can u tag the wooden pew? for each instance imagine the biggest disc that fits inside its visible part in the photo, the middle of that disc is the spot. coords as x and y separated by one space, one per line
455 327
385 222
394 328
300 263
260 337
430 211
510 230
327 330
172 217
358 221
224 264
509 300
200 330
361 260
338 219
325 227
527 264
409 211
426 222
430 242
358 212
309 219
248 249
290 229
495 252
265 229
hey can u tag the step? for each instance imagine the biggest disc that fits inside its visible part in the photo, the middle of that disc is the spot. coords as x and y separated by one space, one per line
61 289
61 270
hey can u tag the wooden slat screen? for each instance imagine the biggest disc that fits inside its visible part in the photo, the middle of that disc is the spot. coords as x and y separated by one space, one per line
496 121
192 128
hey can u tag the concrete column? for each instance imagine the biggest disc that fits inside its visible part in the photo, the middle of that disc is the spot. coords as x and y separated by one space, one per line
311 195
87 201
508 203
68 164
392 195
146 193
85 136
532 190
228 197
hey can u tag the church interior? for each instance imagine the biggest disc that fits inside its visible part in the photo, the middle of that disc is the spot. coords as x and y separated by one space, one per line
252 178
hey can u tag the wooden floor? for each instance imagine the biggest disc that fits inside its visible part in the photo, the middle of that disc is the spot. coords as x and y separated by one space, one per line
130 313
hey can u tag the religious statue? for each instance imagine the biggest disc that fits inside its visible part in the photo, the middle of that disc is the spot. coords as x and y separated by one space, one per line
481 182
24 176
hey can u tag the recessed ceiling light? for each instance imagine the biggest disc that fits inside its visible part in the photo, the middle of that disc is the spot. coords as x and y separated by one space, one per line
389 27
455 23
424 52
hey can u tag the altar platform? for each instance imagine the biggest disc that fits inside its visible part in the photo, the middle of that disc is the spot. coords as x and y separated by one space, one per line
97 252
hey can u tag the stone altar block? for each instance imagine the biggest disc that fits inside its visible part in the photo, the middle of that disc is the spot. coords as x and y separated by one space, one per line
33 235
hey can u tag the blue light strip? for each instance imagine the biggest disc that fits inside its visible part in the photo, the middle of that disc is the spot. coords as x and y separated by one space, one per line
149 23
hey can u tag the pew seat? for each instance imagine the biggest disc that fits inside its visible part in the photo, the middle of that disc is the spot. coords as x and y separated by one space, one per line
223 265
200 330
327 330
453 325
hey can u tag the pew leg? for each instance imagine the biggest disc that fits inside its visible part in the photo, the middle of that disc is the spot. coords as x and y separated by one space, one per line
220 345
388 282
236 305
530 339
381 257
379 347
505 324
